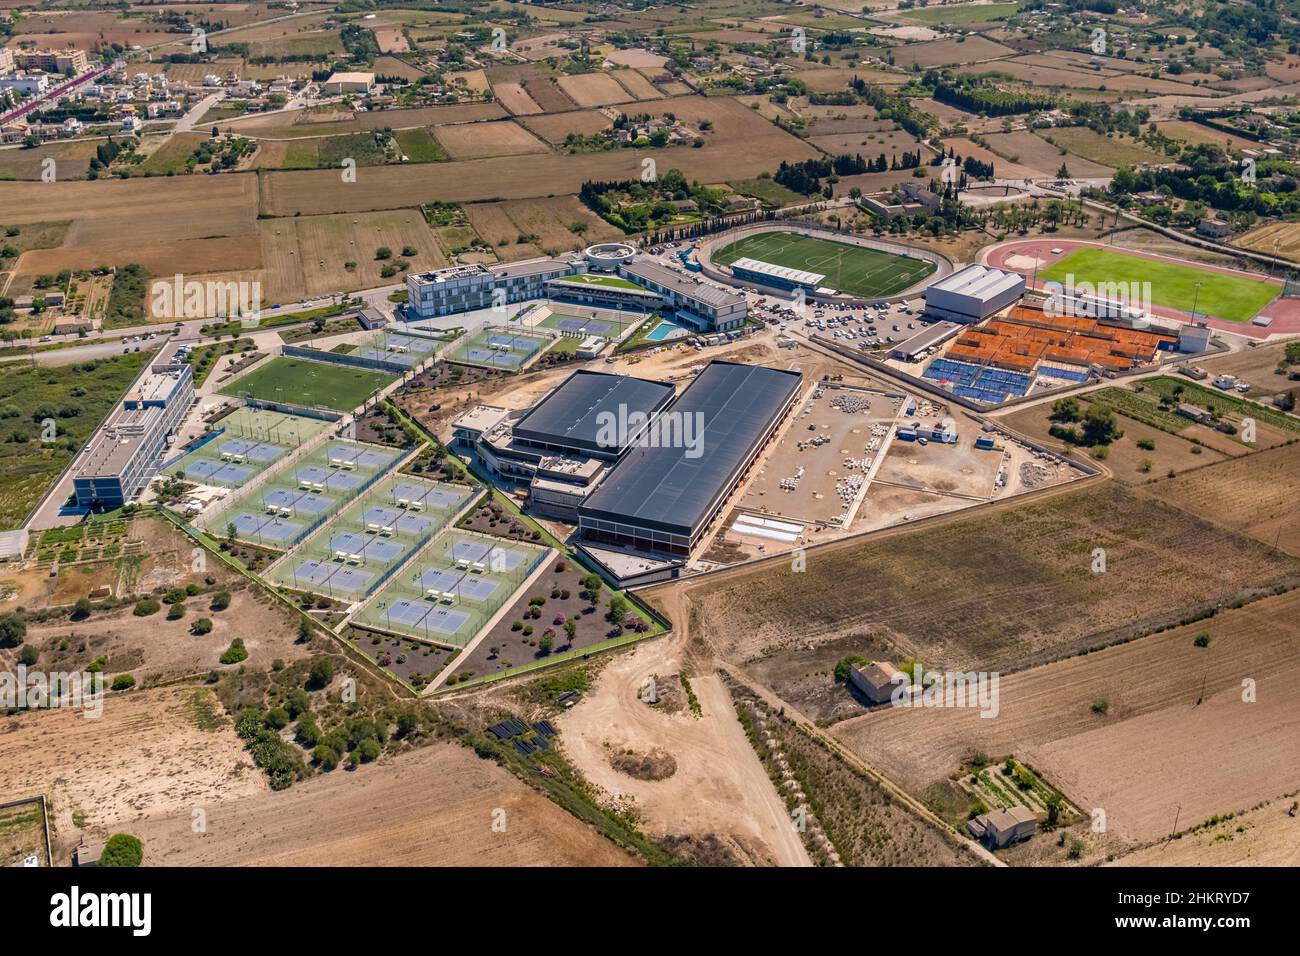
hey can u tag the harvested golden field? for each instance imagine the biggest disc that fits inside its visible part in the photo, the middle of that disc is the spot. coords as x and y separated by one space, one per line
482 140
593 89
1280 239
535 81
637 85
1003 168
392 66
474 80
1112 150
1029 150
1004 589
869 144
71 160
515 99
741 146
175 207
1196 134
1255 495
433 807
547 222
189 256
307 255
1168 704
1267 836
554 127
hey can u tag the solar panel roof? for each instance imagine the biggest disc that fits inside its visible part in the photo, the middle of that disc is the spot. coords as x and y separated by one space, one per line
674 489
573 414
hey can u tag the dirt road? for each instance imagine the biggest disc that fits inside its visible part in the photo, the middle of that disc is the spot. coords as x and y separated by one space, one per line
719 787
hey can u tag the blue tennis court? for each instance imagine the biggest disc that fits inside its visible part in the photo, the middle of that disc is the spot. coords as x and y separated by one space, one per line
493 557
367 458
218 472
397 520
440 579
255 450
373 549
424 617
267 530
439 498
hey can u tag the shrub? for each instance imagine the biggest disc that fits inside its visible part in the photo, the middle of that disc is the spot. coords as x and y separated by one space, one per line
277 718
123 682
220 601
28 655
176 612
13 630
1101 706
146 607
320 675
122 850
368 750
200 627
844 667
235 653
326 756
81 610
1202 640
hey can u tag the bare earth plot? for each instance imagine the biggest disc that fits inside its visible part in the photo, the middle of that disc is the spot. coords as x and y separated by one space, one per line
481 140
431 807
718 789
554 127
1147 754
171 765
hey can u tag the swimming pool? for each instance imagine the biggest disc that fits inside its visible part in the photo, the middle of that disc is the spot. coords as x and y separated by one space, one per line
666 329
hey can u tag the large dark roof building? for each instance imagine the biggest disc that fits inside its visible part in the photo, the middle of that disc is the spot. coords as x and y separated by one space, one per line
575 417
663 495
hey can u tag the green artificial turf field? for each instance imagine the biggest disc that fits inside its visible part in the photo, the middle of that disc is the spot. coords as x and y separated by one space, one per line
854 270
1231 297
304 382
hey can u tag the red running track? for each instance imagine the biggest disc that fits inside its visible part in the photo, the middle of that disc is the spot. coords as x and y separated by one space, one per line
1285 313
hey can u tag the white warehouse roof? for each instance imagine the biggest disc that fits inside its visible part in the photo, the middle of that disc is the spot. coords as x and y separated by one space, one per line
979 282
779 272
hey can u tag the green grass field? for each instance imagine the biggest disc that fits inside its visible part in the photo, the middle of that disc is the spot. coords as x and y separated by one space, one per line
419 146
76 397
1174 286
304 382
855 270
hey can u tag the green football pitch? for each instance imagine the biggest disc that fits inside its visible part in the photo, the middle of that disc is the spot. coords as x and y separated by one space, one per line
303 382
1232 297
854 270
